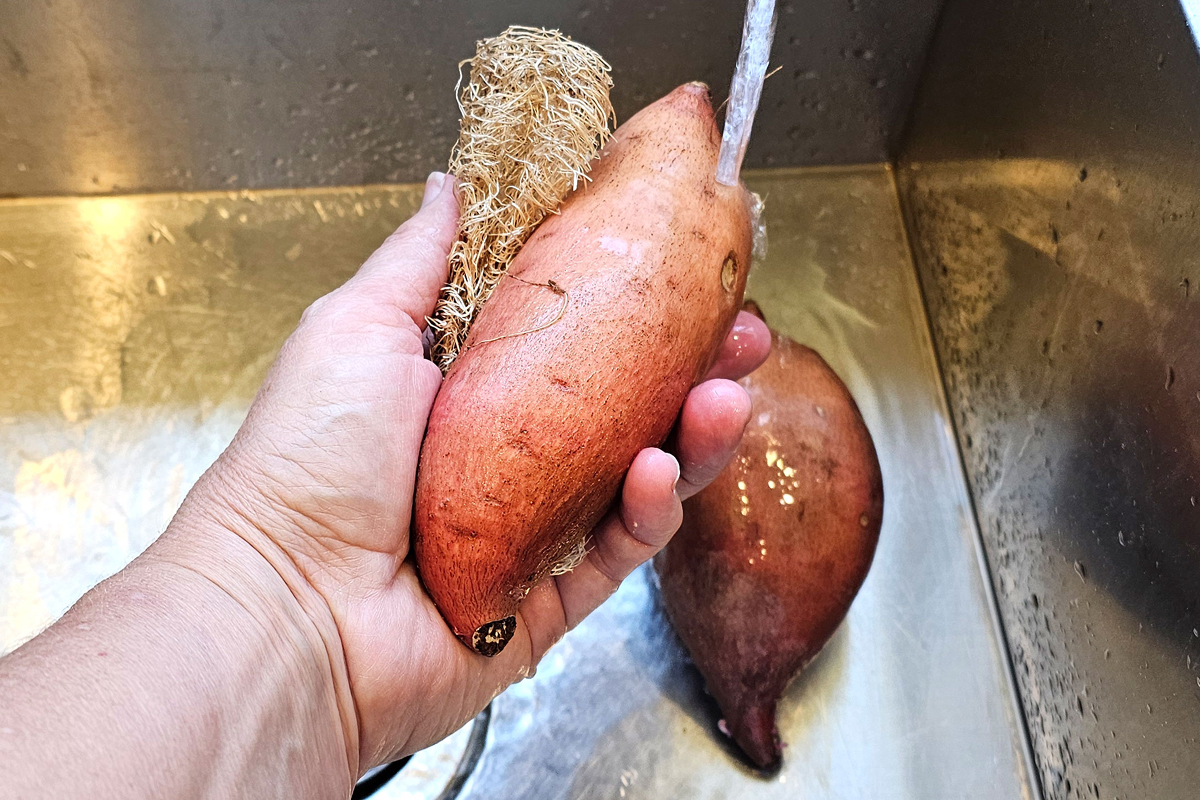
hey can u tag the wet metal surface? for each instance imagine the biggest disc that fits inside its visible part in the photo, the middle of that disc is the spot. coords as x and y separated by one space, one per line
135 331
1069 333
911 698
1052 186
160 95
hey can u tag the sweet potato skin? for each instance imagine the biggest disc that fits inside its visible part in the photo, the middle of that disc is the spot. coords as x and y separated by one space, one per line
772 553
531 434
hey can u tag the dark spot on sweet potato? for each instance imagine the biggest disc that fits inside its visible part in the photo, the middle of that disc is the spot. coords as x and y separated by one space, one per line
466 533
490 638
729 271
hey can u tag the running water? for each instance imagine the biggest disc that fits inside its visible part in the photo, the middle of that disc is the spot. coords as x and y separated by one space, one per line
748 76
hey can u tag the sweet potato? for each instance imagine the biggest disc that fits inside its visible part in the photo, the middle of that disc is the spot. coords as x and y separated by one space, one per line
772 553
583 355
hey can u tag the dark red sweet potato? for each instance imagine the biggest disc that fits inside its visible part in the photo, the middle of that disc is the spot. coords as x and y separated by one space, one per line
772 553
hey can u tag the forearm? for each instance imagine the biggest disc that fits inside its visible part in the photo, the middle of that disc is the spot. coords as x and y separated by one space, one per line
178 677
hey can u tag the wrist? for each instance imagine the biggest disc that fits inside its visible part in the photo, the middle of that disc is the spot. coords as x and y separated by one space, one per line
224 540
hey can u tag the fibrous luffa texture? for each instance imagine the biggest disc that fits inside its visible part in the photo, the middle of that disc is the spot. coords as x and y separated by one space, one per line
772 553
534 113
619 304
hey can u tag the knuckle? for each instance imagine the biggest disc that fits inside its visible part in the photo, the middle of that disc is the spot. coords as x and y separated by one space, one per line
411 242
316 311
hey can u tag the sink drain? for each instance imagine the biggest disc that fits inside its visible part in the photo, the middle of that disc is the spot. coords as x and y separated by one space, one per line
435 773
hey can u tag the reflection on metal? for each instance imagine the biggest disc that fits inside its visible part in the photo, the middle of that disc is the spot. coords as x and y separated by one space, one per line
1051 181
109 96
1069 331
1191 8
137 329
912 697
134 332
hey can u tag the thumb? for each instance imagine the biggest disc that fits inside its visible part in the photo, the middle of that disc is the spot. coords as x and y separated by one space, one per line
409 268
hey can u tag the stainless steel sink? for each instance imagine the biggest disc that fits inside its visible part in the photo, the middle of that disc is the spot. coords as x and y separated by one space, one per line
1006 275
140 326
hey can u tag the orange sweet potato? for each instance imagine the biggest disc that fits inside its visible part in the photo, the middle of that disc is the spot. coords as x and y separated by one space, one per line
582 357
772 553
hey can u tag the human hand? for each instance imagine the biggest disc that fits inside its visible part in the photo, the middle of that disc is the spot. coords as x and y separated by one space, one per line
319 481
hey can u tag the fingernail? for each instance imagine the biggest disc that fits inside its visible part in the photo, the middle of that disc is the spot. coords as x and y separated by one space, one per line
678 473
433 187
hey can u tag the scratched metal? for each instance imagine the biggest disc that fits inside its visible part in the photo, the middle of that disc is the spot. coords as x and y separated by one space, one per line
135 330
1051 180
116 96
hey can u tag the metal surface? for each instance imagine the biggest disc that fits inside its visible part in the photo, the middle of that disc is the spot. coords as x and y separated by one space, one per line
911 698
161 95
136 330
1052 186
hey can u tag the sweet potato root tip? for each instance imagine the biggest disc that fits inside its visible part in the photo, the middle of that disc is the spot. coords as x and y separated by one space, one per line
552 286
756 734
491 638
